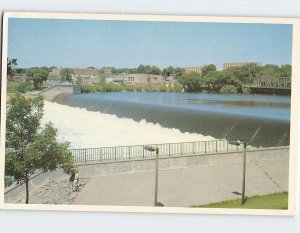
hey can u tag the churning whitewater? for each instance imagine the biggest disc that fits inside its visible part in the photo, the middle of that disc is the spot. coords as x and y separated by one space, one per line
88 129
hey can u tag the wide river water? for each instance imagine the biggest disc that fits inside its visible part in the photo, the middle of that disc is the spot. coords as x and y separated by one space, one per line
229 116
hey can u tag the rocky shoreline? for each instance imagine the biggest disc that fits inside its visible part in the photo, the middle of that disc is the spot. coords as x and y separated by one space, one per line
55 192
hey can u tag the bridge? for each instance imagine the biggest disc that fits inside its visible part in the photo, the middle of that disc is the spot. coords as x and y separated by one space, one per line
279 86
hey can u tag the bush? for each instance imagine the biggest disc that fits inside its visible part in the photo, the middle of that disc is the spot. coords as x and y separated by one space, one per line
229 89
24 87
110 87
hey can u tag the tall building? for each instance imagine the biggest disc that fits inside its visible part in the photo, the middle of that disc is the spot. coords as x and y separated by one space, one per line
238 64
193 69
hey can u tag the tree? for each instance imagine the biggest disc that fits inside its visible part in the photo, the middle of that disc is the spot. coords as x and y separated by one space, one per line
208 68
37 76
28 146
192 82
286 71
172 71
10 64
141 69
66 74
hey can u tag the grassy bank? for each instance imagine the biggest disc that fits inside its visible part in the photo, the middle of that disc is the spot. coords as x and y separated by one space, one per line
109 87
271 201
22 87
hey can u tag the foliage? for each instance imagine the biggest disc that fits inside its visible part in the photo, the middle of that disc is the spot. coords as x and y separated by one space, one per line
37 76
192 82
10 64
28 146
175 71
229 89
12 87
110 87
231 80
124 70
24 87
66 74
142 69
271 201
286 71
209 68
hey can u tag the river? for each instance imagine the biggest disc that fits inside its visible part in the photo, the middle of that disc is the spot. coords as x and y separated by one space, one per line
229 116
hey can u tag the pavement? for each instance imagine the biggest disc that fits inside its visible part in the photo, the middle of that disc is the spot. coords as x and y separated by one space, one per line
186 186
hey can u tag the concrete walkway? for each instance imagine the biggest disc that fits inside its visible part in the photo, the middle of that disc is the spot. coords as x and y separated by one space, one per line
186 186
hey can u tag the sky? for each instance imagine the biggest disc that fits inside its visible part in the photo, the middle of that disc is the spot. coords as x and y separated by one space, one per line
84 43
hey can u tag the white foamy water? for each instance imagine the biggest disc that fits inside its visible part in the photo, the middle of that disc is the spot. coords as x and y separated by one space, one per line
86 129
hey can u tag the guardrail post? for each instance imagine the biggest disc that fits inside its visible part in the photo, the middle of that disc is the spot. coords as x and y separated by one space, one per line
129 152
85 155
169 149
227 146
181 148
193 148
205 147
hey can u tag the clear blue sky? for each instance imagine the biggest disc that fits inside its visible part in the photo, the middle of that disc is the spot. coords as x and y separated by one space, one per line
83 43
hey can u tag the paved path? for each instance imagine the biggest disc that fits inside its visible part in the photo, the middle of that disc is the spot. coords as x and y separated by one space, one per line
186 186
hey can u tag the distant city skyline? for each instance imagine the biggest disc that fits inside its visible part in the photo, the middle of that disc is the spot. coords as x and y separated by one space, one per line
97 43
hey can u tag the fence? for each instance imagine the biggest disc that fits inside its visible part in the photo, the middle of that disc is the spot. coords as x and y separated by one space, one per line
170 149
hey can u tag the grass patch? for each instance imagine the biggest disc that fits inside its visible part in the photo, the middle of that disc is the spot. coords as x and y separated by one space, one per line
271 201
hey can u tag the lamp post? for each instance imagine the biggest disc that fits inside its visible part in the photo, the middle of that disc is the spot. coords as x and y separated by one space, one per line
237 143
151 148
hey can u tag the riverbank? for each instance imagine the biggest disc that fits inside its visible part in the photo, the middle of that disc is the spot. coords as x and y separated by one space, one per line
87 129
109 87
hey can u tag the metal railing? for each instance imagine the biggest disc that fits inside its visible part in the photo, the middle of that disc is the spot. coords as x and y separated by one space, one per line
171 149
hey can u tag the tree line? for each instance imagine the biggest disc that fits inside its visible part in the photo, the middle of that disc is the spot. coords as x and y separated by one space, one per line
232 79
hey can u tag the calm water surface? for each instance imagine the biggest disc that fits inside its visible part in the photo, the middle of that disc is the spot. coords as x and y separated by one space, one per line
229 116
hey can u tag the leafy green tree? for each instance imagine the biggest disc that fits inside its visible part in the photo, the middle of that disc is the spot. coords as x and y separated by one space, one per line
192 82
66 74
141 69
269 72
24 87
286 71
172 71
29 147
10 64
208 68
37 76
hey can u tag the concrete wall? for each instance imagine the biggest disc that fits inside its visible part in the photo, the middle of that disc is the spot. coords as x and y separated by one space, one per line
51 92
174 162
142 165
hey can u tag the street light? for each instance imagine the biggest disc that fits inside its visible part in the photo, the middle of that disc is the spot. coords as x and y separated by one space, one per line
151 148
237 143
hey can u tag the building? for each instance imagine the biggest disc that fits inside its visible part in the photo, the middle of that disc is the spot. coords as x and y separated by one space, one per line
193 69
54 74
18 77
238 64
85 73
145 79
117 78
